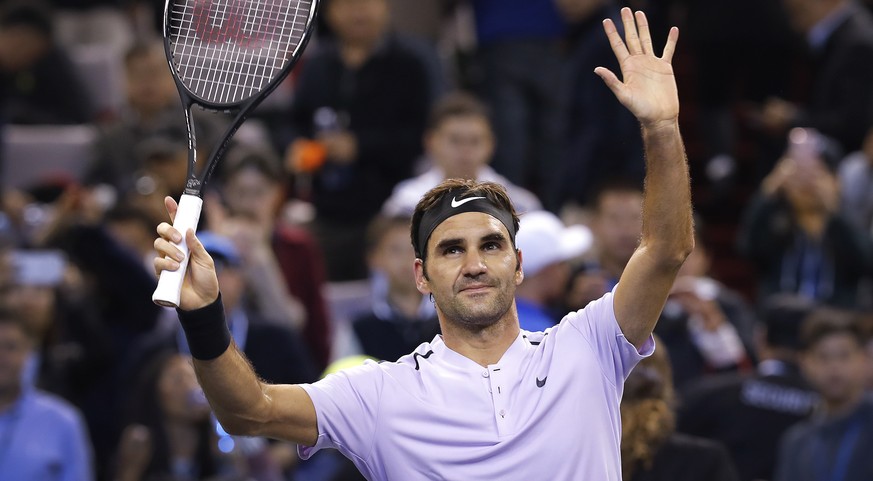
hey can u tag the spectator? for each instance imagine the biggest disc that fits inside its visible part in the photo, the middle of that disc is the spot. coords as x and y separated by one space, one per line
650 448
797 238
364 98
283 266
836 442
598 135
519 50
152 110
170 434
748 413
44 436
840 38
459 143
547 247
616 224
706 326
401 318
38 83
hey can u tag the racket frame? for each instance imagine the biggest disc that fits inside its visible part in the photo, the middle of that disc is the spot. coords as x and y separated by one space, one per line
168 291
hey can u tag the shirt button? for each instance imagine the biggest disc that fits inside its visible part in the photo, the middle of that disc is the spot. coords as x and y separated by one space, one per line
485 374
502 413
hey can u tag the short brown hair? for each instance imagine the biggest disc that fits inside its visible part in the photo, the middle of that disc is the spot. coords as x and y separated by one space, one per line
827 321
495 193
456 104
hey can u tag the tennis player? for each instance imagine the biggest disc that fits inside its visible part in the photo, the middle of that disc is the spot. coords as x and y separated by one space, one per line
484 400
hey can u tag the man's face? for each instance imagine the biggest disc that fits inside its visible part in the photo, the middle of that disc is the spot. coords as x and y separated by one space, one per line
471 270
393 256
14 348
358 21
461 146
149 83
618 224
250 194
837 366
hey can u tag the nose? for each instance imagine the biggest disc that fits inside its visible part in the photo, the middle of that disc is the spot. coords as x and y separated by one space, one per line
474 264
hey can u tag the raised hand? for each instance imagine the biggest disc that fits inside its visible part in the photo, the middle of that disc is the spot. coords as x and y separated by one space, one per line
648 88
200 287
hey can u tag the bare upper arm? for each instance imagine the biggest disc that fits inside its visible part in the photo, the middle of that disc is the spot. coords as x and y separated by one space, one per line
291 414
641 293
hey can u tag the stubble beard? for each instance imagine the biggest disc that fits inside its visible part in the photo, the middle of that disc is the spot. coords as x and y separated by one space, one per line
474 314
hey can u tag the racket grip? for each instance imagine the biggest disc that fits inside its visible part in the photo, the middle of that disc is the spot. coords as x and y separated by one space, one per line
169 287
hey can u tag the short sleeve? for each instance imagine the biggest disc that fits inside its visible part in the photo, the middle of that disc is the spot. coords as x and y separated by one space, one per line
598 325
347 409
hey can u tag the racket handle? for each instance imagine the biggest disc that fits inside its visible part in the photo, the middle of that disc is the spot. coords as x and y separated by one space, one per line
170 283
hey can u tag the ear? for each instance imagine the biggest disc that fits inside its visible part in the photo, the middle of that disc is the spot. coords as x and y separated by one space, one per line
519 271
421 282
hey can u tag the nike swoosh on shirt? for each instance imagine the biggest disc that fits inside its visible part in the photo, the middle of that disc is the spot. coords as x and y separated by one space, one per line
541 382
458 203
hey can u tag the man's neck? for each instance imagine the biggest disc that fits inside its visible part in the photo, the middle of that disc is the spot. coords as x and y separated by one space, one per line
483 346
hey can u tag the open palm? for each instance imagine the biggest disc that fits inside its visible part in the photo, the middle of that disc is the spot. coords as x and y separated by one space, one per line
649 86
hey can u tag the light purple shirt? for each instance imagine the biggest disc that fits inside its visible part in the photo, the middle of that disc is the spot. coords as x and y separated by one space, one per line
549 409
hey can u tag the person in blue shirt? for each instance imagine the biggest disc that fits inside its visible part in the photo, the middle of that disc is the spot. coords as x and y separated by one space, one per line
547 246
41 436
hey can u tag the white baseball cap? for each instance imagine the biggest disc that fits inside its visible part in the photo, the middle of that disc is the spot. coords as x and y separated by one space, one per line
544 240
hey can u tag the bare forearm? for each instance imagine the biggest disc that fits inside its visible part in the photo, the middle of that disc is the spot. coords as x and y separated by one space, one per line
667 235
234 391
667 231
243 403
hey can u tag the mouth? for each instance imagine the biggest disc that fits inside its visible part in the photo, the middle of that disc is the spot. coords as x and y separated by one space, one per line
475 288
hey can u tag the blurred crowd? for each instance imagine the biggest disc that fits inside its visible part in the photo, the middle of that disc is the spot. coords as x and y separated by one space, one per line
764 366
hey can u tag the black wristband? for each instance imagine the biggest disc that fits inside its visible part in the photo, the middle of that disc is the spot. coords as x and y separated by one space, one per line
206 330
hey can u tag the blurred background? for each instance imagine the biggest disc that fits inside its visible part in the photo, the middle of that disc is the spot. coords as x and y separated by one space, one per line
308 214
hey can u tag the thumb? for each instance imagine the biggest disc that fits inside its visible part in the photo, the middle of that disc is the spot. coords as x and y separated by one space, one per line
611 81
197 251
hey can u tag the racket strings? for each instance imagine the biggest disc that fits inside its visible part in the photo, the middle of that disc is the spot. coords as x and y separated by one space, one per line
226 51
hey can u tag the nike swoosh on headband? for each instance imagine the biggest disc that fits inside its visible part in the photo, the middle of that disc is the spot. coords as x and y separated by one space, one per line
458 203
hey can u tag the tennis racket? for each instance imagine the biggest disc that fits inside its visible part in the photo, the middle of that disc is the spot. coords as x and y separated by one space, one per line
226 56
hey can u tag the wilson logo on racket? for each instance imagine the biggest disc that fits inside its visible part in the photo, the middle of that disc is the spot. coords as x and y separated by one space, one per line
231 23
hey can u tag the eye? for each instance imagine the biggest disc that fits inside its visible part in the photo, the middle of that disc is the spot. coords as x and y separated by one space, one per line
491 246
452 250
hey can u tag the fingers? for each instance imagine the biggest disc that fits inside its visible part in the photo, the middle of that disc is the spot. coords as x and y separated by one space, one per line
670 47
618 47
630 32
645 36
169 254
172 207
638 38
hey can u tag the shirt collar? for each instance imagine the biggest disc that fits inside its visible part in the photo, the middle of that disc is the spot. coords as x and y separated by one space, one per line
511 359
